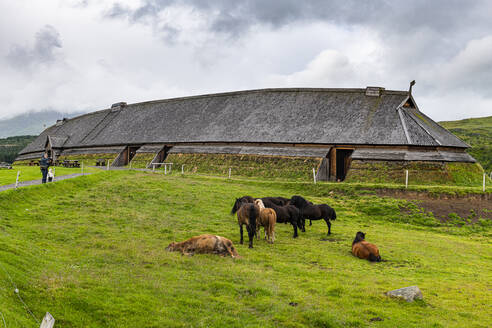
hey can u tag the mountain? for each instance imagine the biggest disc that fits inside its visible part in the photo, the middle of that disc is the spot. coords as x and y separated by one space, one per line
9 147
477 132
30 123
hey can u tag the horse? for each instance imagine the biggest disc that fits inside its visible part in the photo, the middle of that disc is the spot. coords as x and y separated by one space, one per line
313 212
248 215
365 250
267 219
285 214
279 201
205 244
240 201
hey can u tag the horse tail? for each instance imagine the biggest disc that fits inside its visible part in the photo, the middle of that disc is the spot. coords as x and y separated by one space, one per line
374 258
334 214
253 214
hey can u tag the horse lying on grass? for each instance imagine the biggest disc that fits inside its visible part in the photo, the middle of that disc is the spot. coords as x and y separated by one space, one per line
267 219
308 211
365 250
285 214
205 244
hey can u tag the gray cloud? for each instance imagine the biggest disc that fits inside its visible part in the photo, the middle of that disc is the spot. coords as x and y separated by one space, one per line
46 41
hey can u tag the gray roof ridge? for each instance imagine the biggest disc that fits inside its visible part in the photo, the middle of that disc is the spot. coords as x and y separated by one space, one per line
241 92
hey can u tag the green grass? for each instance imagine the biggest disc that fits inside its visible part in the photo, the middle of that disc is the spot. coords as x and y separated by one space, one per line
477 132
91 251
34 173
271 167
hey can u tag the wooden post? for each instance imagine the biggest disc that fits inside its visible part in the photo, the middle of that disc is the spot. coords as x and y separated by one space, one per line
182 169
48 321
333 164
406 179
130 164
153 167
314 176
54 174
229 173
107 166
165 169
17 180
82 167
483 186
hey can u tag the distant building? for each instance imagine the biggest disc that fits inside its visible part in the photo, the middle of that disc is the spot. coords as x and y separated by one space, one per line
337 126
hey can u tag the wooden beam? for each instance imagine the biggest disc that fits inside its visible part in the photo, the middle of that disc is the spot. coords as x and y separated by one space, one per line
333 164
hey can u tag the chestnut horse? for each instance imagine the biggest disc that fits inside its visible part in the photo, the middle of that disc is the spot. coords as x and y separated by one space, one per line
365 250
267 219
248 215
205 244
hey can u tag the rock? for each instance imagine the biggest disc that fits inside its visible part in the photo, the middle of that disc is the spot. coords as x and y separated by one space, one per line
376 319
409 294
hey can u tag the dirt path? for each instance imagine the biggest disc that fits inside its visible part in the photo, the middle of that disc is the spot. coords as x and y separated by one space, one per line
37 182
443 205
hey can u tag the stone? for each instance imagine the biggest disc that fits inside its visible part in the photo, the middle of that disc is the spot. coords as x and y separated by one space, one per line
409 294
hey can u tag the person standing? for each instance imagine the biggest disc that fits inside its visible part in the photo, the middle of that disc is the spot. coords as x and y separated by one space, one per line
44 164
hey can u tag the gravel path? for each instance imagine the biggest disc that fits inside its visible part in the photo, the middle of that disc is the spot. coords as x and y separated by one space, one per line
37 182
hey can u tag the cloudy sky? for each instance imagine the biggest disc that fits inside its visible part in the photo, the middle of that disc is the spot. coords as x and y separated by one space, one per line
75 55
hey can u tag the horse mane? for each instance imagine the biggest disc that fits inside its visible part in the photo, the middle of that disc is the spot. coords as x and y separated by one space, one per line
359 236
299 201
259 203
239 202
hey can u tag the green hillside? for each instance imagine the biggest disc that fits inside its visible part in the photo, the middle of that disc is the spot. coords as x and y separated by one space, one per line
9 147
477 132
91 251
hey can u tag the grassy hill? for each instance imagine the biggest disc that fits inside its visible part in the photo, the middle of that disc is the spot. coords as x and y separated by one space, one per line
477 132
91 251
9 147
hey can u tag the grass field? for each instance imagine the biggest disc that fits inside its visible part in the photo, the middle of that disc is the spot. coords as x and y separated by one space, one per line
477 132
34 173
91 251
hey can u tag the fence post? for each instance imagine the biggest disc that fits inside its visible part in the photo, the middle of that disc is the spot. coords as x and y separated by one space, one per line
483 187
82 167
153 167
17 180
107 166
314 176
229 173
406 179
182 169
165 169
130 165
54 174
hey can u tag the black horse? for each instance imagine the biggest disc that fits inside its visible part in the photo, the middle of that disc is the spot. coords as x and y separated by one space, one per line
279 201
286 214
241 201
308 211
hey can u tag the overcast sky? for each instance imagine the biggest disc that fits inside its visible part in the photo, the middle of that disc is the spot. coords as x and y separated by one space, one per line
74 55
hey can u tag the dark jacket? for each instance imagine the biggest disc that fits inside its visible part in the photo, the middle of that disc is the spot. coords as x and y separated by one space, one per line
44 163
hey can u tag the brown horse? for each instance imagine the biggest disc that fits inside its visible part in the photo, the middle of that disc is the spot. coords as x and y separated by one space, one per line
205 244
267 219
365 250
248 215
